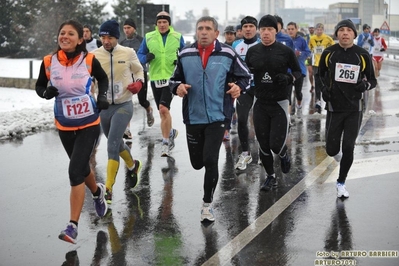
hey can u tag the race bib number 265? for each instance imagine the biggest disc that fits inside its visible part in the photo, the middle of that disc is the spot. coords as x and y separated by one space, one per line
346 73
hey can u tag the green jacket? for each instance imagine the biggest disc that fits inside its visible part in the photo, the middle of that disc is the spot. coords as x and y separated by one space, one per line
163 65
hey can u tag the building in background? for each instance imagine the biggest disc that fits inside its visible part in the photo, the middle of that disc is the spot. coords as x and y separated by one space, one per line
271 6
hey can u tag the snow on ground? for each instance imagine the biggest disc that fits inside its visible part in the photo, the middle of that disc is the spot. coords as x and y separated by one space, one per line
22 112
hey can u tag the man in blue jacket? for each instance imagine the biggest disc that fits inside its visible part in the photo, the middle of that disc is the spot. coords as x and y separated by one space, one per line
208 76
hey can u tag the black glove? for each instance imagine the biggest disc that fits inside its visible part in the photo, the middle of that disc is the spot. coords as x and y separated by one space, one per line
362 86
370 41
283 79
149 57
326 93
102 102
382 50
50 92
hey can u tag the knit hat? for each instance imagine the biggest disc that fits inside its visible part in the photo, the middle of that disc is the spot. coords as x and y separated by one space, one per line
268 21
366 26
279 20
345 23
111 28
130 22
238 27
249 20
230 29
163 15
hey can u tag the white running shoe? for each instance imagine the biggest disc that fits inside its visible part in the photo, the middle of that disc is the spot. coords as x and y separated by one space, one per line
165 150
127 134
207 213
341 191
243 160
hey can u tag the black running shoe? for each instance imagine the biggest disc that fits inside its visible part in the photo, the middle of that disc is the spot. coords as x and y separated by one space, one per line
269 184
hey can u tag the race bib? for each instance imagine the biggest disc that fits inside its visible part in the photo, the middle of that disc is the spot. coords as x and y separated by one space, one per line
346 73
77 107
115 91
318 49
161 83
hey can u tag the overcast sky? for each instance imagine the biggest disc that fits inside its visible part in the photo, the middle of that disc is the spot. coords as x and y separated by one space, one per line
247 7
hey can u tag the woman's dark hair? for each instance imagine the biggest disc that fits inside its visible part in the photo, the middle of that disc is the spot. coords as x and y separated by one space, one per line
79 28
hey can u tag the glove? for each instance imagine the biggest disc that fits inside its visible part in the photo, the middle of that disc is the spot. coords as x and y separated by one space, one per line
297 53
326 93
102 102
149 57
362 86
135 87
283 79
50 92
370 41
382 50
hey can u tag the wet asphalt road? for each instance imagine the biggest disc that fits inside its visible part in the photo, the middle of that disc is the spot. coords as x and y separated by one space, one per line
300 223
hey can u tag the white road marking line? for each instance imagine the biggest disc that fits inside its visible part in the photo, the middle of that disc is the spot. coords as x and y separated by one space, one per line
225 254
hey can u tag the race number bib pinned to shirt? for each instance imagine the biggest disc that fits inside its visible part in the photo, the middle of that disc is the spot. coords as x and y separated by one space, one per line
115 90
77 107
346 73
161 83
318 49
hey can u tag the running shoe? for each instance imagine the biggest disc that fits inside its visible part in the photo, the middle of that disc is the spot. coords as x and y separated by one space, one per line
269 184
207 213
127 134
134 174
318 107
172 135
150 118
285 163
165 150
100 202
341 191
243 161
69 234
108 196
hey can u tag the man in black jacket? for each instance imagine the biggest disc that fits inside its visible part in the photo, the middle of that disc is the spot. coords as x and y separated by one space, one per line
346 72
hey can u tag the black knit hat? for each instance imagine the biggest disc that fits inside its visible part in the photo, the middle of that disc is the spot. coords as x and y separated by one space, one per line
345 23
230 29
111 28
130 22
279 20
249 20
163 15
268 21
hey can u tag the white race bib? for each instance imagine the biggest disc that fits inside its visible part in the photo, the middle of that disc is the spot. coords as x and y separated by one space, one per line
161 83
318 49
346 73
77 107
116 92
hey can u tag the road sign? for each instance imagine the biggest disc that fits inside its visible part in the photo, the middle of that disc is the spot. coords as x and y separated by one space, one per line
384 29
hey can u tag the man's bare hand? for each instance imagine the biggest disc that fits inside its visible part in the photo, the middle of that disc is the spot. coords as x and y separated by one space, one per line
182 89
235 90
